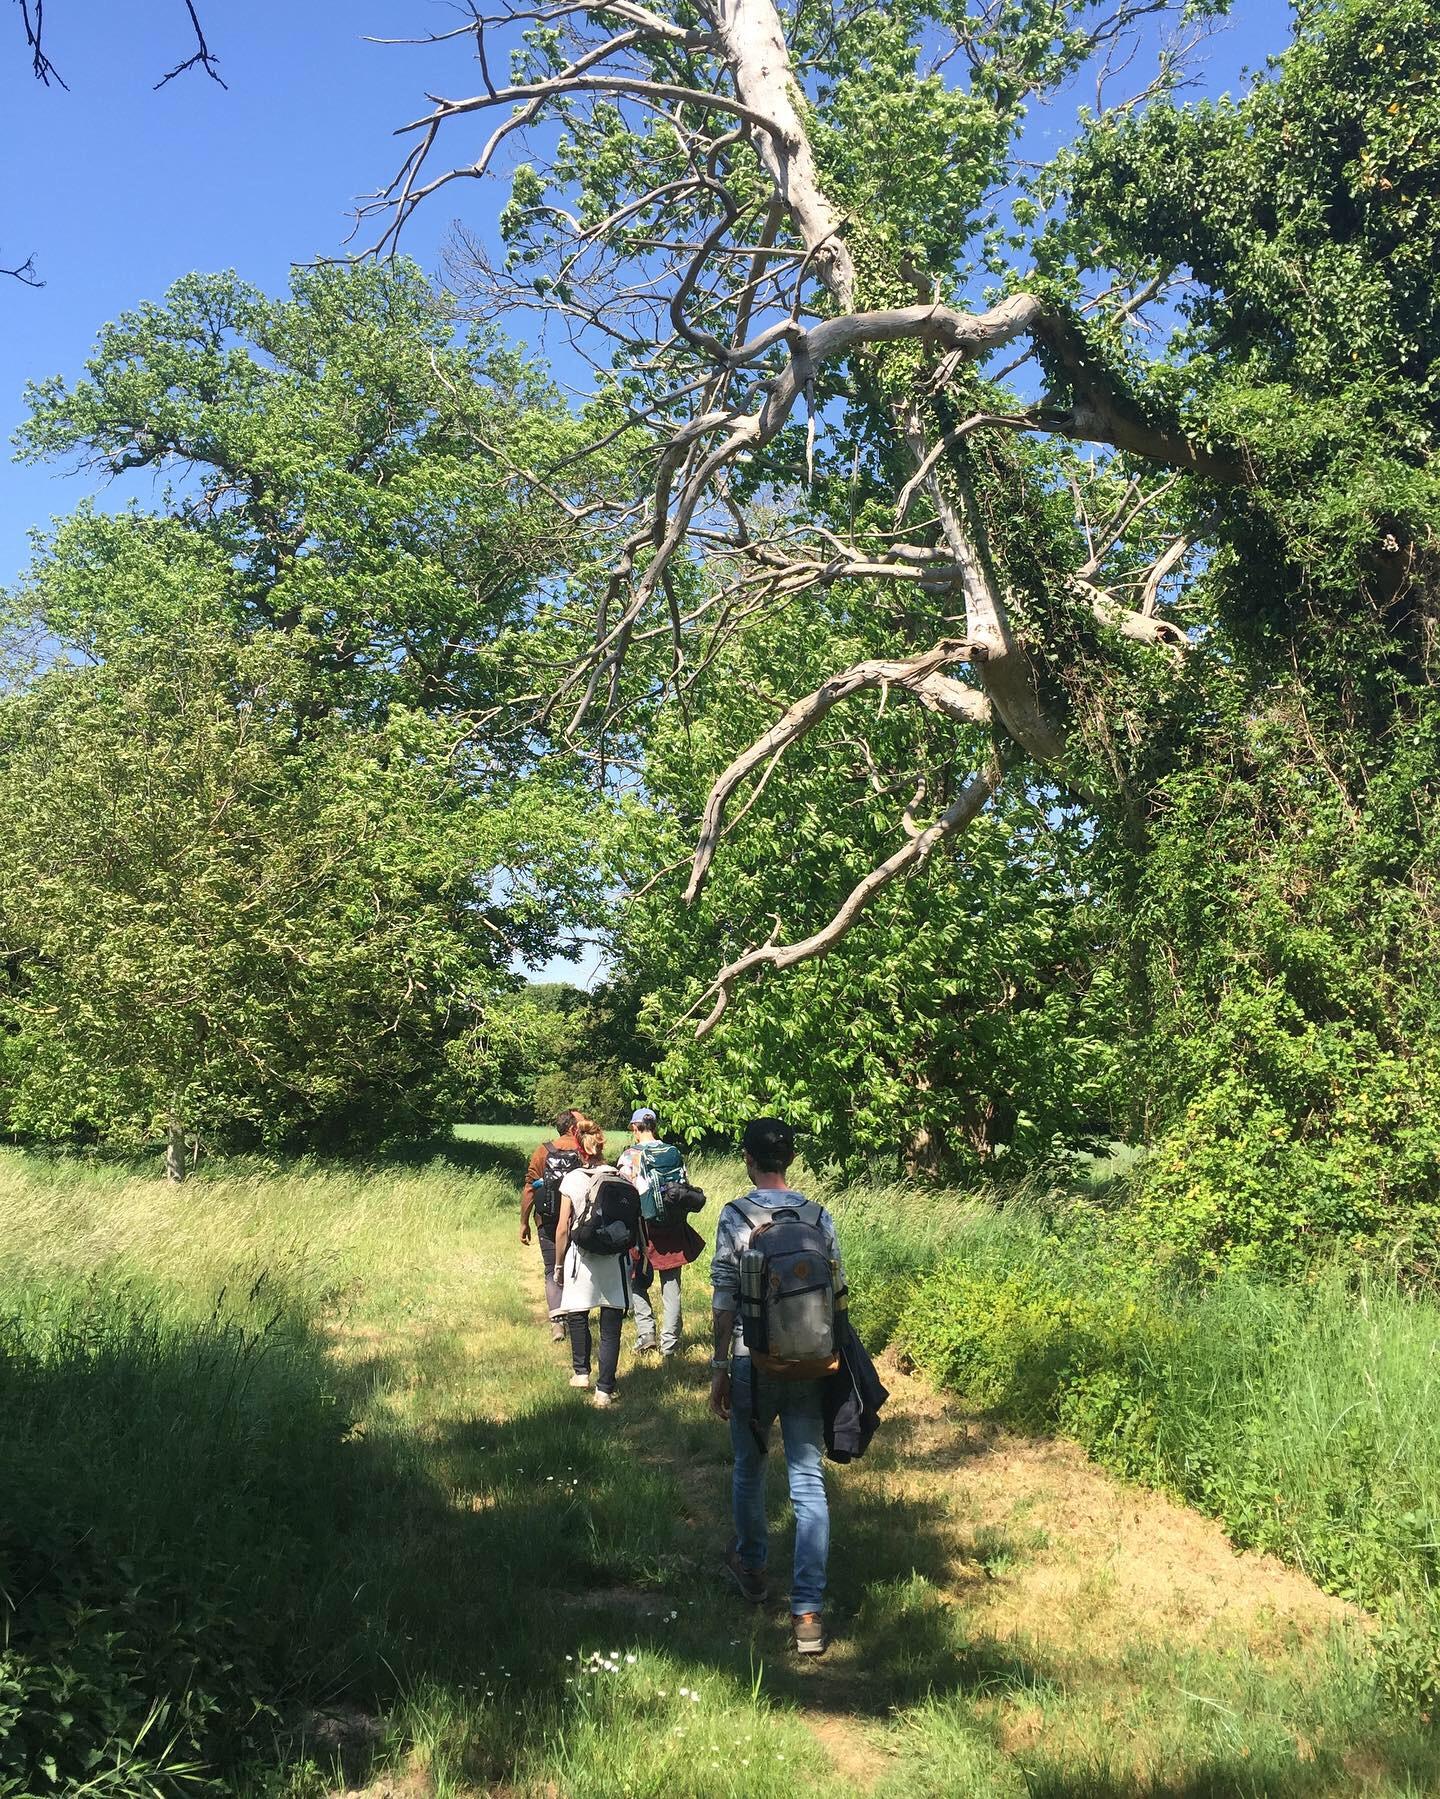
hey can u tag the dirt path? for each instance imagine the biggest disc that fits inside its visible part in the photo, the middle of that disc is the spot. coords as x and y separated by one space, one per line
966 1559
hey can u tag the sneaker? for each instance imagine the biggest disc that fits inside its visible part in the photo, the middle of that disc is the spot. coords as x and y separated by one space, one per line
558 1332
809 1633
579 1380
646 1348
604 1399
751 1581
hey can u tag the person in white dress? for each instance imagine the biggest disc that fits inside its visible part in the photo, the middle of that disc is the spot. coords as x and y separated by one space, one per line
591 1280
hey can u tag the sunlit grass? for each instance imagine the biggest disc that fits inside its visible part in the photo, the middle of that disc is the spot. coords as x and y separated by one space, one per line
318 1403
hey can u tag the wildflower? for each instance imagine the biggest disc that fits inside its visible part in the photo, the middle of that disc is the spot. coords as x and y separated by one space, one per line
630 1660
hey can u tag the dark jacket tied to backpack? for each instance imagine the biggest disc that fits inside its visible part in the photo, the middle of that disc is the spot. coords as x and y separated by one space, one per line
851 1399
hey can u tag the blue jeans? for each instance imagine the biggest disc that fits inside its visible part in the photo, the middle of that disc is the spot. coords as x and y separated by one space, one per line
802 1428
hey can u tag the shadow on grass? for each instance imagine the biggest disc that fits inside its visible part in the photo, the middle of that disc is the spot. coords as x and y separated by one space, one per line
182 1502
196 1520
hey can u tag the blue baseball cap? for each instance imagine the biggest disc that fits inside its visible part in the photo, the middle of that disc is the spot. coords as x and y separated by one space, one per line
644 1117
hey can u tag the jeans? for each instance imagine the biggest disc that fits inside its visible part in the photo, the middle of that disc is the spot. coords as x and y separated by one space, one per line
611 1318
672 1320
802 1428
553 1286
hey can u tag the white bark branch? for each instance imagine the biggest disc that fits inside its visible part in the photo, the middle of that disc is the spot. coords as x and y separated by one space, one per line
918 675
912 854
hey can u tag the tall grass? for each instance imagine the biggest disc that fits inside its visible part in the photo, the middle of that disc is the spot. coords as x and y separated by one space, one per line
289 1436
1303 1415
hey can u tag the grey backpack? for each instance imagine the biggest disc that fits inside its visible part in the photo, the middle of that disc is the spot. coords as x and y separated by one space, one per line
789 1298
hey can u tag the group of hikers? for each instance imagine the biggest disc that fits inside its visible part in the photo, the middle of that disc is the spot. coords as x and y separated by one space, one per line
782 1347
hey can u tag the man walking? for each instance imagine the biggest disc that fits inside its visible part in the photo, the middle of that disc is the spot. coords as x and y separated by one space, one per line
769 1148
652 1168
549 1164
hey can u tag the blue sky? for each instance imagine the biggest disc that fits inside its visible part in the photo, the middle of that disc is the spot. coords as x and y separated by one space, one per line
116 189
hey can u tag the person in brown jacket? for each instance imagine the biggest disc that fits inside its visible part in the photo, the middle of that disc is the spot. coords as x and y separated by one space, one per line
549 1163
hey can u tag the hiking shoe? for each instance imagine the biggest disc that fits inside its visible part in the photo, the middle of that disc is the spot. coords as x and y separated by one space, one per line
751 1581
809 1633
579 1380
604 1399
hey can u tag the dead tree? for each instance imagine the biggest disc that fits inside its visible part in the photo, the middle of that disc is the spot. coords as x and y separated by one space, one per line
745 300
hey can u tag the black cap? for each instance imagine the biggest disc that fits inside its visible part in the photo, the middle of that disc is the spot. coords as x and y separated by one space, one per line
771 1142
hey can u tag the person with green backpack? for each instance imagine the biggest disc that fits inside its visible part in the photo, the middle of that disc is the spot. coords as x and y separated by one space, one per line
658 1173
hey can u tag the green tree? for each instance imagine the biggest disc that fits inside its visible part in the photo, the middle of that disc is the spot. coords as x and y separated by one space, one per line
966 1015
1282 859
265 858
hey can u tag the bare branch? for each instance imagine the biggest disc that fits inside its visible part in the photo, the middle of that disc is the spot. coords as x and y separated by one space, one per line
203 56
806 713
24 272
913 853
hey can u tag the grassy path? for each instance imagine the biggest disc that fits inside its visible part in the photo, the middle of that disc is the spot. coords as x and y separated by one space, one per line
459 1578
1008 1620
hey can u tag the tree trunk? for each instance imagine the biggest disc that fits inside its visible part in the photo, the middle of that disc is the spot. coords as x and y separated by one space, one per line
175 1169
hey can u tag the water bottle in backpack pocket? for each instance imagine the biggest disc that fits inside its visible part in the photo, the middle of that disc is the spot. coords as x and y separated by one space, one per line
788 1293
609 1225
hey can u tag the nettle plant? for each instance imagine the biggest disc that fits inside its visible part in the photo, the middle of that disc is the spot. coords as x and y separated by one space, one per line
866 348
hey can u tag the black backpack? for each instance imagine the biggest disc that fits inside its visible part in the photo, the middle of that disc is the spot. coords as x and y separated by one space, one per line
610 1223
545 1190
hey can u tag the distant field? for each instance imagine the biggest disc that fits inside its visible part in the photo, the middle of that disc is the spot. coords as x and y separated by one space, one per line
525 1136
503 1136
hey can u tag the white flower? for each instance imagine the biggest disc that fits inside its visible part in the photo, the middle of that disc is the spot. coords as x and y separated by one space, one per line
694 1699
684 1692
630 1660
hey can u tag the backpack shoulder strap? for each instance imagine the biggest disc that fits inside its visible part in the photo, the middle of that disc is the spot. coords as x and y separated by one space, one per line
752 1214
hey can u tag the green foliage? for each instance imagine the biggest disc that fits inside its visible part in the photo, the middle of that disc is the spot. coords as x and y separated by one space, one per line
261 873
1313 323
338 463
959 1020
262 938
556 1046
1280 921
